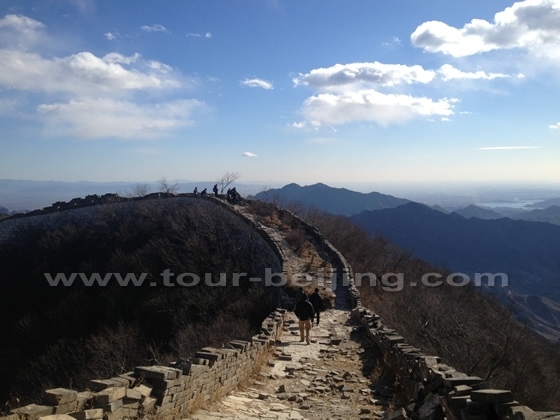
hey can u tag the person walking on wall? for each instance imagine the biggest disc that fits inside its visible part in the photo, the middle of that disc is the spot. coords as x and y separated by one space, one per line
215 189
317 303
305 313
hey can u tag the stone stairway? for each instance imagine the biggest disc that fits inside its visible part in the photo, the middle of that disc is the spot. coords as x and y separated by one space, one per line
328 379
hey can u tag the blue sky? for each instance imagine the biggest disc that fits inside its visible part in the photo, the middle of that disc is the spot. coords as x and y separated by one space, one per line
304 91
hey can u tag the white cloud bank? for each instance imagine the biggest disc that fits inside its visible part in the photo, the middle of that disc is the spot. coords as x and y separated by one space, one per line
355 92
92 118
370 105
89 96
258 83
249 155
532 24
375 73
555 126
448 72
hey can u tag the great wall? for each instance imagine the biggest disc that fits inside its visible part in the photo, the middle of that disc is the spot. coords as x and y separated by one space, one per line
272 375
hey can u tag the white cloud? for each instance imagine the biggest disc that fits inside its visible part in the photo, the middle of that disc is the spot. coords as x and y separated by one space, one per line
555 126
81 73
199 35
154 28
260 83
20 23
364 74
448 72
249 154
509 147
300 124
20 32
110 36
95 118
532 24
370 105
395 42
90 96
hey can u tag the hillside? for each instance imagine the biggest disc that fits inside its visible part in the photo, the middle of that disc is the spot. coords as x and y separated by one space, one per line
56 334
526 251
329 199
549 215
478 212
546 203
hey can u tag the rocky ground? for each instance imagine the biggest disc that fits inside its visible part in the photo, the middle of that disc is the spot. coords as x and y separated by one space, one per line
327 379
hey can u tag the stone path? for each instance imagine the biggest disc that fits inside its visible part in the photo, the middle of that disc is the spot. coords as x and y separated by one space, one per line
328 379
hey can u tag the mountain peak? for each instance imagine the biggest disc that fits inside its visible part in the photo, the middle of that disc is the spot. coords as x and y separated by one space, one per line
333 200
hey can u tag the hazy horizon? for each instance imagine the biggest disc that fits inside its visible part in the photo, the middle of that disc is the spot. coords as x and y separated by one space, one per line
20 194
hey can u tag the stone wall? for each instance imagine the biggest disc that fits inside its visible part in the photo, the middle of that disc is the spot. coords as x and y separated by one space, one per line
161 392
437 390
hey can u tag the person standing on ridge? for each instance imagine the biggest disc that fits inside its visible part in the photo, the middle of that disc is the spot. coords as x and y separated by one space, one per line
305 313
215 189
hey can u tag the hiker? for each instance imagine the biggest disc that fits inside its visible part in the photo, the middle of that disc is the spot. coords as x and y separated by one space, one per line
195 192
203 193
235 196
299 295
215 189
304 312
317 303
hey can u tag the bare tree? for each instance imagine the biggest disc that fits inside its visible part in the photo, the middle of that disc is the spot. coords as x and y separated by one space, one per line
227 179
140 190
165 187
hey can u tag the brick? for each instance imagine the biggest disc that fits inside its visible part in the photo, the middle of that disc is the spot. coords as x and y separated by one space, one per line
128 403
109 395
112 406
492 396
149 403
462 390
83 398
65 408
101 384
116 415
129 376
124 381
33 411
58 396
461 380
134 394
57 417
157 372
92 414
144 389
212 357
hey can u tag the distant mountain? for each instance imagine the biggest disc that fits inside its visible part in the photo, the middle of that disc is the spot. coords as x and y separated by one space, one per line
332 200
526 251
441 209
549 215
478 212
546 203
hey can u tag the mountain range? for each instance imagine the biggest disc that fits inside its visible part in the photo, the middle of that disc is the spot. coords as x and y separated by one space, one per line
331 200
526 251
470 240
